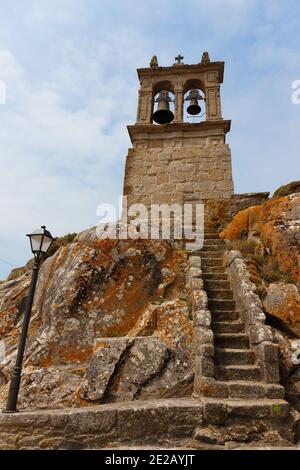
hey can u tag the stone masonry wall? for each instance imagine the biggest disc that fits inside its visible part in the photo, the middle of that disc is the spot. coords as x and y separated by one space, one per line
249 304
178 175
101 426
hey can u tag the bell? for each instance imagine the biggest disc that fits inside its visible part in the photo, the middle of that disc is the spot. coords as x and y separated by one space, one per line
194 107
163 114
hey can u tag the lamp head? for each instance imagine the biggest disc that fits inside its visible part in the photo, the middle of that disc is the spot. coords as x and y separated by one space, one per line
40 240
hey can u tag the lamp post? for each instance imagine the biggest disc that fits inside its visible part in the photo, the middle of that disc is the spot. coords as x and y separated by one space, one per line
40 241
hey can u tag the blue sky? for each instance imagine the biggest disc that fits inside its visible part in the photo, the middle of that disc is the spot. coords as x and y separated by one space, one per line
70 71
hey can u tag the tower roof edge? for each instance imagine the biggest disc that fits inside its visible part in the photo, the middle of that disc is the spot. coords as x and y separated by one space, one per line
178 69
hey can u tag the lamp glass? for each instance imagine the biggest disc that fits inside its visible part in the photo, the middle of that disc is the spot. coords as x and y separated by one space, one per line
40 240
36 241
47 241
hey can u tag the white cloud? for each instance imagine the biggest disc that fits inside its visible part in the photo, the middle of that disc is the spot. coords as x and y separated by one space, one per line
62 11
63 141
69 66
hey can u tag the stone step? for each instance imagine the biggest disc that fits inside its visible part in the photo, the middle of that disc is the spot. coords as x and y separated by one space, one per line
232 340
142 422
211 236
221 304
230 408
225 315
215 277
213 248
212 262
214 241
216 284
228 327
219 294
256 390
234 356
214 270
238 372
211 254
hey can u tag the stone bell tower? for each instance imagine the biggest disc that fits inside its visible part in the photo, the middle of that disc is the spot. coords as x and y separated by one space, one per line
179 161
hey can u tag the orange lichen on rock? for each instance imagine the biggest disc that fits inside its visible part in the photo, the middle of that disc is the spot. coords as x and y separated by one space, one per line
243 223
93 292
280 232
173 325
283 301
276 225
168 321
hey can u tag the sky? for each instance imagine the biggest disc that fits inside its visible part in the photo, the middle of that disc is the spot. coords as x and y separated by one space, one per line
69 67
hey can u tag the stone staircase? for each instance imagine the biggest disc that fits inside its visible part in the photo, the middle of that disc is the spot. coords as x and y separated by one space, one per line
235 362
239 405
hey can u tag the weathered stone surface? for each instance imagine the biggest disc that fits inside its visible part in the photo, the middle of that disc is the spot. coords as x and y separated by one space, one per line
202 318
260 333
209 436
100 426
249 304
283 301
292 388
195 272
204 366
246 200
289 370
145 360
196 284
154 423
195 172
218 213
275 224
245 223
114 290
195 261
215 412
230 256
48 387
199 299
285 356
102 366
13 296
287 189
203 337
242 430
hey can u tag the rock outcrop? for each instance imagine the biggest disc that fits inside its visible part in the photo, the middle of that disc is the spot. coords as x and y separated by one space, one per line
269 235
110 323
282 301
276 224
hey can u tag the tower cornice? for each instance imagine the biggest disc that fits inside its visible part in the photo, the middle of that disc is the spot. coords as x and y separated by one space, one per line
181 69
181 132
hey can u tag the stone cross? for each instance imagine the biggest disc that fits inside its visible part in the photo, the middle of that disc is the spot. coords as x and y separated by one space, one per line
179 59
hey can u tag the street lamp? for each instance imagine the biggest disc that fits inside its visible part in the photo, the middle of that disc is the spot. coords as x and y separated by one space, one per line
40 241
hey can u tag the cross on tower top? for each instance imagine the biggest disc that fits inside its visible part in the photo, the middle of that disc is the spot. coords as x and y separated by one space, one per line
179 59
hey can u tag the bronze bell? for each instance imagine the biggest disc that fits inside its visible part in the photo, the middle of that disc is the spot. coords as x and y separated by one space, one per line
194 107
163 114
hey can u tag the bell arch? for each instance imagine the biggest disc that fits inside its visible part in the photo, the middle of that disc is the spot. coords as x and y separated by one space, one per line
163 107
193 83
194 105
162 89
161 85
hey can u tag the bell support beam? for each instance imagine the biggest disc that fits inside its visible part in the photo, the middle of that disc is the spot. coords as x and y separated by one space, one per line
178 105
